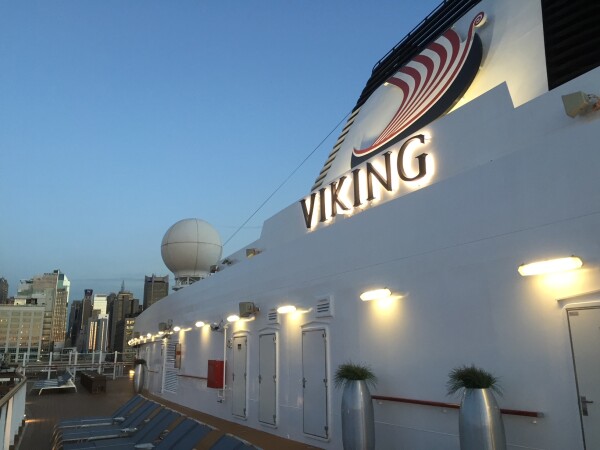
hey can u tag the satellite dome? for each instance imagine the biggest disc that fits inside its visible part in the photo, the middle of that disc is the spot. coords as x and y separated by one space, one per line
189 248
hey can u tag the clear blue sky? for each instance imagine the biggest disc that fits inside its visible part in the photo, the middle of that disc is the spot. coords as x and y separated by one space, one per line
119 118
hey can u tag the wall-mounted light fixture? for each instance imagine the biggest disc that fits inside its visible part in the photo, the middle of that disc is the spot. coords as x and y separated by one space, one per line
376 294
550 266
176 329
286 309
199 324
233 318
149 335
248 309
217 326
580 103
251 252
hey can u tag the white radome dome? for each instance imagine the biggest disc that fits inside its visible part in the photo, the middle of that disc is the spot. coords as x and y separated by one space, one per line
189 248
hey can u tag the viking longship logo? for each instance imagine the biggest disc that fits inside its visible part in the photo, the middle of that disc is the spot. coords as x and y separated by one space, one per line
430 85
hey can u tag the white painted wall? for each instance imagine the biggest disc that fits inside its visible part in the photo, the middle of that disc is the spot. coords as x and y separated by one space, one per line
512 186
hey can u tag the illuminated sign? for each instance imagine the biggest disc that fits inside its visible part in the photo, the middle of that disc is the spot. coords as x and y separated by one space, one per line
376 146
384 173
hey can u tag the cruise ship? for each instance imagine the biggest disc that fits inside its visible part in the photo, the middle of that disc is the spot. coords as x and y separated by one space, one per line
462 197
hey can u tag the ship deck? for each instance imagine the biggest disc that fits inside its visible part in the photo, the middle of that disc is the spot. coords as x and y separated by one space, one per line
43 411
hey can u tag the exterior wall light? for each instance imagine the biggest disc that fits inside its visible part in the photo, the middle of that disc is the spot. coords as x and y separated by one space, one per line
286 309
580 103
550 266
376 294
251 252
149 335
233 318
176 329
199 324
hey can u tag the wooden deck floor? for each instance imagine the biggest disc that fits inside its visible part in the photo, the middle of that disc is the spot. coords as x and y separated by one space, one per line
43 411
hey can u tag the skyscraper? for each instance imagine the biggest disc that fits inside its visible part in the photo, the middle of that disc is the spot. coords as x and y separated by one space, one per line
86 311
50 290
123 305
21 331
155 288
3 291
74 321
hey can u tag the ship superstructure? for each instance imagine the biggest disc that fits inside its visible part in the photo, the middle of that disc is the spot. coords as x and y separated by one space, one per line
472 151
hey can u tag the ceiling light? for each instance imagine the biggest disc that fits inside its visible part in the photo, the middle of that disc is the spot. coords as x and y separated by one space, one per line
550 266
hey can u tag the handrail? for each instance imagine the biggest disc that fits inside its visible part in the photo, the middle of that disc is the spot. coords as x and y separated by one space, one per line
10 394
184 375
513 412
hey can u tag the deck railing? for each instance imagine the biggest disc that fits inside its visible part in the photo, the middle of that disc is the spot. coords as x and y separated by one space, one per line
12 412
113 364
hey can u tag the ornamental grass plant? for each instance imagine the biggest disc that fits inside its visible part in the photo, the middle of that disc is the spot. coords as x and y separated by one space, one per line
350 372
471 377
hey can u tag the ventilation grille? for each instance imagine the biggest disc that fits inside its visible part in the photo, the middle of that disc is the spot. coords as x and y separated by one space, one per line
273 316
571 38
171 378
324 307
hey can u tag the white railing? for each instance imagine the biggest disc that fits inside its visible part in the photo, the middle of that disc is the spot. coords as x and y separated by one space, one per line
12 413
113 364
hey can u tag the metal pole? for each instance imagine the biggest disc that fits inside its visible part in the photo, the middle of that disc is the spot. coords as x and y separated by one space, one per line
115 365
75 366
49 365
100 362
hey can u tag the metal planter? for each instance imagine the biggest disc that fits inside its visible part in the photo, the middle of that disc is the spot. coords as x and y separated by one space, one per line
358 425
139 377
480 421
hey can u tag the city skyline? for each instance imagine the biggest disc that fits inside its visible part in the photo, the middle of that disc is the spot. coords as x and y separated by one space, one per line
120 119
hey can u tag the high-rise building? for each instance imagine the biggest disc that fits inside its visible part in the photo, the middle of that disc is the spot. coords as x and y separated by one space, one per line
3 291
124 332
100 303
123 304
98 332
81 340
74 322
21 328
155 288
50 290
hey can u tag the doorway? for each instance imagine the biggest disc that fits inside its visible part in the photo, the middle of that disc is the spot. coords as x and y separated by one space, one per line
584 328
315 383
240 355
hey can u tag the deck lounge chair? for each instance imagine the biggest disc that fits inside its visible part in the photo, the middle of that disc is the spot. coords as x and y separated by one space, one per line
118 416
150 432
183 437
231 442
142 416
61 382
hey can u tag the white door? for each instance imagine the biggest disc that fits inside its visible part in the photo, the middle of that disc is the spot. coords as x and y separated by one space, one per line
584 324
314 383
240 345
267 379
